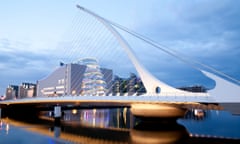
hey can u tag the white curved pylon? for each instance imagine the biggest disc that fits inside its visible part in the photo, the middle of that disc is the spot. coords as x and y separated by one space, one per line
224 91
152 84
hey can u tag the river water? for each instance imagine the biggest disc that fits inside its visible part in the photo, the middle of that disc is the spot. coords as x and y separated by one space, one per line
117 125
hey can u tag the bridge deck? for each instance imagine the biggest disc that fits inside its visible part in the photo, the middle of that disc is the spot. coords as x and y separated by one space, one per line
204 102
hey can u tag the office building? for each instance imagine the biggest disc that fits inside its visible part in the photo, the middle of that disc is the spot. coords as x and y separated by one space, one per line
27 90
82 78
11 92
21 91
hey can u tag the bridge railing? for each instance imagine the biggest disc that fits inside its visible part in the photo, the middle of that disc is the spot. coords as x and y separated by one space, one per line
152 98
149 98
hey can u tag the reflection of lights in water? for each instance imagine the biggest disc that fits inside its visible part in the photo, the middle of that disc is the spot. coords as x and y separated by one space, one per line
94 111
7 128
154 133
154 137
95 118
217 112
74 111
1 125
4 126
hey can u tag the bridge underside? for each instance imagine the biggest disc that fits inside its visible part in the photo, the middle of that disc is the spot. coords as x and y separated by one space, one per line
140 108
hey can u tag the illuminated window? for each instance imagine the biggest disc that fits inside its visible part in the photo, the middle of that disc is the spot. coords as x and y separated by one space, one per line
73 92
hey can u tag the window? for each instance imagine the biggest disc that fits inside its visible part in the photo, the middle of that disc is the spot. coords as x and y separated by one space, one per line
158 90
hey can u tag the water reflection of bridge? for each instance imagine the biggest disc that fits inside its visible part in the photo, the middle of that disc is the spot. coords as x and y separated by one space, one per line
150 131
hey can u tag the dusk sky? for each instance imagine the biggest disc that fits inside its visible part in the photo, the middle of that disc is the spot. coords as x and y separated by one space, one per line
204 30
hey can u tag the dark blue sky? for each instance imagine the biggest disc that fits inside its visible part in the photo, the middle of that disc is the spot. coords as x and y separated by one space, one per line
206 31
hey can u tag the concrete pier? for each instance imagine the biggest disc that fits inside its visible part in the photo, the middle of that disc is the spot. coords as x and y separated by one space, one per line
157 111
57 115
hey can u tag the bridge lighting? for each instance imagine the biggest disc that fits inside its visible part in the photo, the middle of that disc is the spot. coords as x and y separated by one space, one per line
74 111
7 128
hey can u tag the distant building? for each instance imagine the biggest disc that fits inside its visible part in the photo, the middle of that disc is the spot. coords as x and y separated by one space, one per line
119 86
73 79
132 84
12 92
27 90
22 91
128 86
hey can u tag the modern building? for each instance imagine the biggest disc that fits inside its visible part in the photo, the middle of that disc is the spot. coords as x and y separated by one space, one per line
74 79
94 82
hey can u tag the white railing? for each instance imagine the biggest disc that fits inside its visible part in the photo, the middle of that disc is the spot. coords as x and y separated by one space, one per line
149 99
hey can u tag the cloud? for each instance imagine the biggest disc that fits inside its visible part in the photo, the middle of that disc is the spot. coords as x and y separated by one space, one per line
206 31
20 64
199 30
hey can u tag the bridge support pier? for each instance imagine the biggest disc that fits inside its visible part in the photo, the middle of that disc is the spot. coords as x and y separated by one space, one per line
57 131
57 115
166 111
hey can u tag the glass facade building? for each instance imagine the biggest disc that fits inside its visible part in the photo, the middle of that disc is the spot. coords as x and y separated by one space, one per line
93 82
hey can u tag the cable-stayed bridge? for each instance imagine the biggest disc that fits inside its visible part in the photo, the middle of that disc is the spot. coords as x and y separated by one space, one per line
160 99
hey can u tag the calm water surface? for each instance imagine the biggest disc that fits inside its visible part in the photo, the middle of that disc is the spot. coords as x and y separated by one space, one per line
119 126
